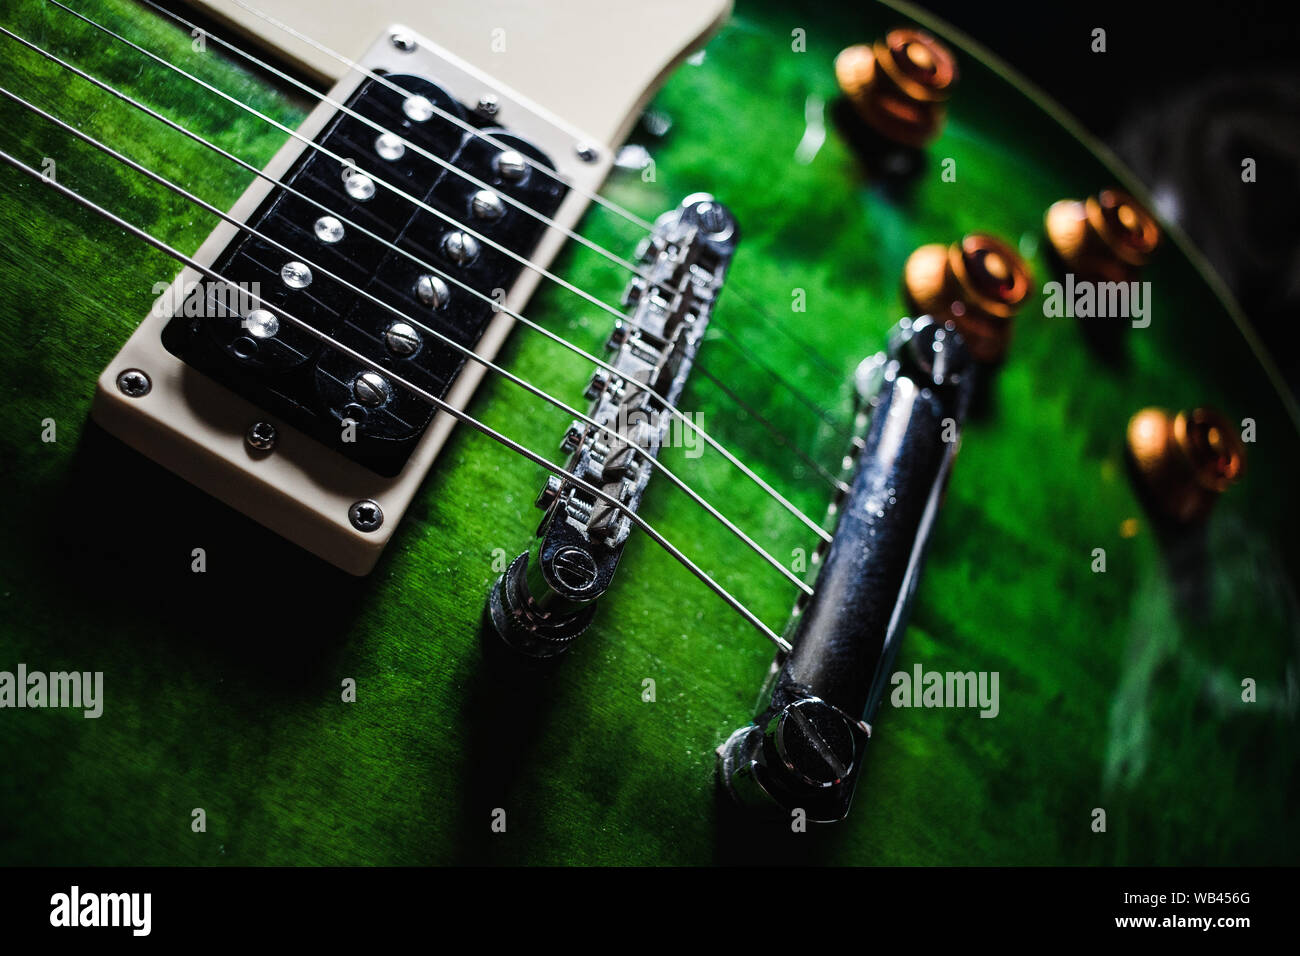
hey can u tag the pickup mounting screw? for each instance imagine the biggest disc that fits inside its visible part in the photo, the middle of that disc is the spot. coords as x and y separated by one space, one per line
586 152
488 105
403 41
366 515
261 436
134 383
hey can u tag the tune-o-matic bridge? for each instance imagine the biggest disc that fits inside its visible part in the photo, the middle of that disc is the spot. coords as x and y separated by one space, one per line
547 595
334 241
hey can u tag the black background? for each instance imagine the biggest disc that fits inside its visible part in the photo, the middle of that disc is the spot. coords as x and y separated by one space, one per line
1183 92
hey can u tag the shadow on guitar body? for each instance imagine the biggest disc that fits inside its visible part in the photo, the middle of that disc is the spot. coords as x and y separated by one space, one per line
505 709
892 167
249 604
1185 550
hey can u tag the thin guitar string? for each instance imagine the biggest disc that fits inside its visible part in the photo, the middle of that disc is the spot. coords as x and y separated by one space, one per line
559 177
524 207
320 97
837 483
536 214
468 353
348 163
844 432
672 409
414 389
807 522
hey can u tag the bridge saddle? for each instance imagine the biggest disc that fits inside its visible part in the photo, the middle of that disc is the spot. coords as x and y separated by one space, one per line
546 597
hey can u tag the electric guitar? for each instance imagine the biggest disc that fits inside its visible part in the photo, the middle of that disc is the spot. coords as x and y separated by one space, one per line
310 307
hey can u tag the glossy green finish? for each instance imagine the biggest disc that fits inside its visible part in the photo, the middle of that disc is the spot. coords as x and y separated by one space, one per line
1118 690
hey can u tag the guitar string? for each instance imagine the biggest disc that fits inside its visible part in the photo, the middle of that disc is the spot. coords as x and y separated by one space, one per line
837 483
348 163
594 197
808 522
452 168
546 220
447 340
844 432
672 409
414 389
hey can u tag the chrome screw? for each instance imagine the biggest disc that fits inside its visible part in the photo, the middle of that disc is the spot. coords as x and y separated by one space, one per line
402 339
261 436
366 515
403 41
134 383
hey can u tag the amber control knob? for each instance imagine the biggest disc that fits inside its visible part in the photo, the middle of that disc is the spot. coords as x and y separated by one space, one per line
1106 237
1185 461
899 85
978 284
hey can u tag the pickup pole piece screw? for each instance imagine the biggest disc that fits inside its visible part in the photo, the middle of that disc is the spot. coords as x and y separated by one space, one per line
401 339
134 383
418 109
328 230
371 389
460 247
510 165
487 205
366 515
295 275
432 291
390 147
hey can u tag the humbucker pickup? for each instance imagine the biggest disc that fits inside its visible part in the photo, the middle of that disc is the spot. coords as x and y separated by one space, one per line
399 224
333 233
547 595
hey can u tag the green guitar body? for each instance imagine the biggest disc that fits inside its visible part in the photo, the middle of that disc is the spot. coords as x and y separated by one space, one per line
1148 701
